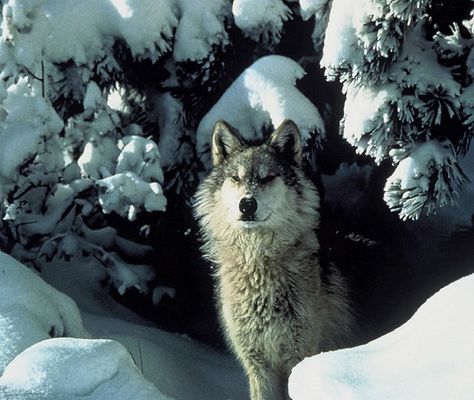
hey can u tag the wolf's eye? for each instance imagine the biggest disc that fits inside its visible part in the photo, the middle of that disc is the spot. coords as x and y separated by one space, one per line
267 179
235 178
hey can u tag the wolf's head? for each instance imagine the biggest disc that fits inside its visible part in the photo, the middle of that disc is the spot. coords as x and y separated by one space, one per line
257 186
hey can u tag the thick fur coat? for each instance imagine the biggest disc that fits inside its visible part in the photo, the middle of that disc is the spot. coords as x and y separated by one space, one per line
259 216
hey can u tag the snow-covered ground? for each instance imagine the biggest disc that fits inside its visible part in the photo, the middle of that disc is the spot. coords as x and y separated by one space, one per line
430 357
110 353
114 354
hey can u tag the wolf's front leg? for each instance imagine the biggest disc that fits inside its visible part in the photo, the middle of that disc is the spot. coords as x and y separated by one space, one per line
268 385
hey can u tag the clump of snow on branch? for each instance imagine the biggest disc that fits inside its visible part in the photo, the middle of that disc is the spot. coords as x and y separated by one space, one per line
429 357
31 310
201 27
369 121
28 125
320 9
364 36
44 29
398 95
262 20
262 96
170 121
428 177
136 182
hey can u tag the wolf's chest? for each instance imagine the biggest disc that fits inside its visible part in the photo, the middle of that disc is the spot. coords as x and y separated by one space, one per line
259 296
261 312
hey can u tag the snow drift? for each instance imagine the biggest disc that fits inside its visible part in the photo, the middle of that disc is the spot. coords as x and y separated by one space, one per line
65 368
31 310
429 357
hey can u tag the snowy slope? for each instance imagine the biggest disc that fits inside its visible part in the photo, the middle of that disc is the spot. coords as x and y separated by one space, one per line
31 310
429 357
130 360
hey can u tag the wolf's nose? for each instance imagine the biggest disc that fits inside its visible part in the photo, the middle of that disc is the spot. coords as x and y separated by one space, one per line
248 206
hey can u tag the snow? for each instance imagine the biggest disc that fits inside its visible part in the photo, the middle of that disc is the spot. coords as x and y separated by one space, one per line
310 7
93 96
263 19
201 27
418 67
340 39
395 112
128 174
66 368
367 110
429 357
320 9
263 95
28 120
407 190
125 193
44 28
130 359
170 120
357 33
31 310
141 156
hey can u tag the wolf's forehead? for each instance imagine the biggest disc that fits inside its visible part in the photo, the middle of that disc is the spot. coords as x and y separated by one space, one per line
255 163
261 169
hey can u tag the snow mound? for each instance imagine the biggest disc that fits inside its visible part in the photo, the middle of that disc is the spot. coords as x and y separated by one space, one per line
429 357
66 368
263 95
31 310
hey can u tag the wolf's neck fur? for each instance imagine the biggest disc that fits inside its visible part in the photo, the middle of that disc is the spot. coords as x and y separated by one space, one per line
261 249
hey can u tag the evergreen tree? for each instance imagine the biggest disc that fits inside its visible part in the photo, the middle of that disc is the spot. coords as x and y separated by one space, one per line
407 94
106 108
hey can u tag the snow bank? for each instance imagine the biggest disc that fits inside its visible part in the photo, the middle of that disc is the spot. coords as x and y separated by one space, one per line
430 357
66 368
263 95
179 367
31 310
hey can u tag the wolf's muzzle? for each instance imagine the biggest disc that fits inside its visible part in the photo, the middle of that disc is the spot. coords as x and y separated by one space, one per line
248 207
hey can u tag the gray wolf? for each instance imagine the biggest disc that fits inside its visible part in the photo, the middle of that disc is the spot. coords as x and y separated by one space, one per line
258 215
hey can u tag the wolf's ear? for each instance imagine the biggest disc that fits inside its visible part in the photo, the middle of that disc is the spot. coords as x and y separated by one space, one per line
287 140
225 140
